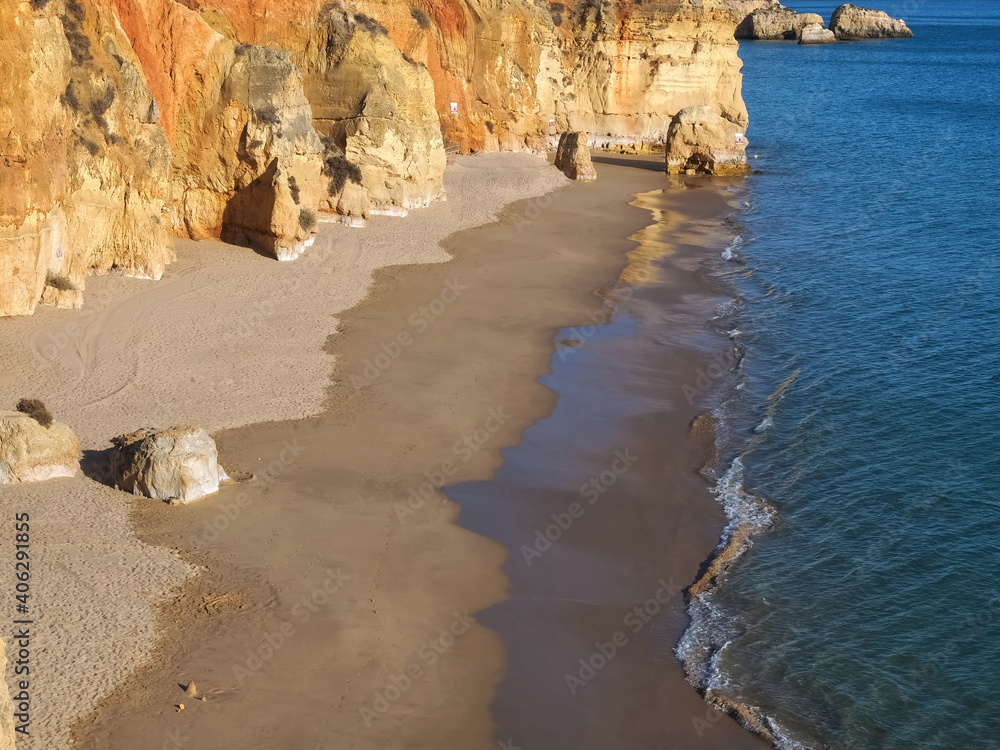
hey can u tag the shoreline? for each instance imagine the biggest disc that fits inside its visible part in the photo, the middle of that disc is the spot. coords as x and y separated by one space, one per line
469 574
575 586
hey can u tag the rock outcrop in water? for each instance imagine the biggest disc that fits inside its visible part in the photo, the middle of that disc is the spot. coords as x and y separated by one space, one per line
814 33
853 22
124 124
573 157
775 22
701 141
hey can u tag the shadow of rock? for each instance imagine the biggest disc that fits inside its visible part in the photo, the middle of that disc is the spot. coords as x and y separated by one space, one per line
653 166
96 465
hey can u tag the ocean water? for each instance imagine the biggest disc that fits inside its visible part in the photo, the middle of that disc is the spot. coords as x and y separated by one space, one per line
867 408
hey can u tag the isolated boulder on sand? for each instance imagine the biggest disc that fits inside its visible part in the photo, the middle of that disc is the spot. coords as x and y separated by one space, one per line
701 141
854 22
34 448
814 33
573 157
179 462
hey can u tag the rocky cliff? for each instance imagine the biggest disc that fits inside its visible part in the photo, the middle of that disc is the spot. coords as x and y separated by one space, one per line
126 122
85 179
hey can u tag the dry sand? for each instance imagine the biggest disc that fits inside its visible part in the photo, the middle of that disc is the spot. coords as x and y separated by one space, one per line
226 338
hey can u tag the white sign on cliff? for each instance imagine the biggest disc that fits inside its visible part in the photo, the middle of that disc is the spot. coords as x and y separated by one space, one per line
454 108
739 137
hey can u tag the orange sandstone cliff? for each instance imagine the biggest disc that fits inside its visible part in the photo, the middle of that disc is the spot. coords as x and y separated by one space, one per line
124 123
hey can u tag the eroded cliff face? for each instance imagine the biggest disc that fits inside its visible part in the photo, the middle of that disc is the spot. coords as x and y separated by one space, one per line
125 122
619 71
84 184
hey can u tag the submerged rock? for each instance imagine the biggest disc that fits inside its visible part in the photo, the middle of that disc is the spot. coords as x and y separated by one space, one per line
814 33
854 22
30 451
775 23
573 157
179 462
701 141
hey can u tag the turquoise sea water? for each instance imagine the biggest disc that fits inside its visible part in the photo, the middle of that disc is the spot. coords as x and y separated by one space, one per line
868 413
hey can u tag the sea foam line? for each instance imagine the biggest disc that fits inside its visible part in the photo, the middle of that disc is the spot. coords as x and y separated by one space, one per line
711 628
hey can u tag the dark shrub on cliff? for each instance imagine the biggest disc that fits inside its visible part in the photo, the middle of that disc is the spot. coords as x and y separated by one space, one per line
307 219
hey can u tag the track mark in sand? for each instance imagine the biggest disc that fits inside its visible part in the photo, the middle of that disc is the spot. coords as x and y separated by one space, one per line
74 343
372 592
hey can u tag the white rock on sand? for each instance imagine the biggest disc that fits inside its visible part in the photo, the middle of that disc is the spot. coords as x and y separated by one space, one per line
207 344
179 462
32 452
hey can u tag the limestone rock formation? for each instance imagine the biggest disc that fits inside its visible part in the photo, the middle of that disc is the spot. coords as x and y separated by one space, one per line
776 22
814 33
32 452
573 157
619 71
372 104
853 22
253 176
179 462
125 123
701 141
84 165
377 107
6 704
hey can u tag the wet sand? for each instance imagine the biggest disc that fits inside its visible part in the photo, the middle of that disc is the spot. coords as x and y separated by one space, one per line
336 602
604 509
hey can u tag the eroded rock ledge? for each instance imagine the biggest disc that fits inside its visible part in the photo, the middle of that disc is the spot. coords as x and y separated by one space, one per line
125 123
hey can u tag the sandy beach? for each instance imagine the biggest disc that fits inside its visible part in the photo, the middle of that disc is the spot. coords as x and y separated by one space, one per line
333 601
226 338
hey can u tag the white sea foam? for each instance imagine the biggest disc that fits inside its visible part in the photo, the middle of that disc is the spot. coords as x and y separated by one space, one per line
730 251
765 423
712 628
